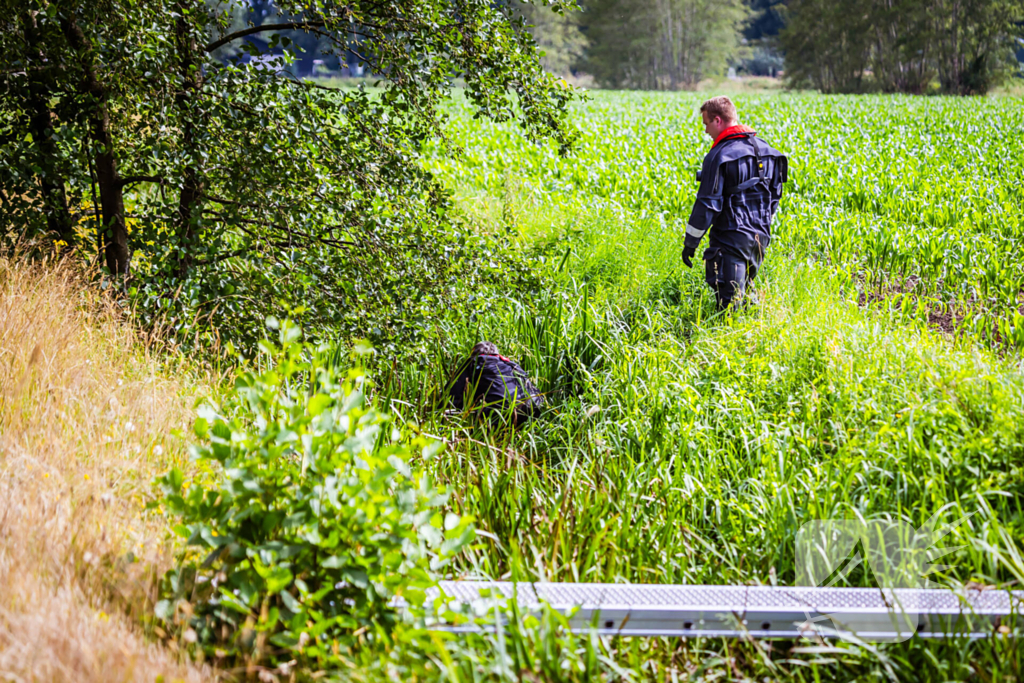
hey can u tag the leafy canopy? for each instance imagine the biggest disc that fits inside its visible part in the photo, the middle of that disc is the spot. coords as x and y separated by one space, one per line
226 189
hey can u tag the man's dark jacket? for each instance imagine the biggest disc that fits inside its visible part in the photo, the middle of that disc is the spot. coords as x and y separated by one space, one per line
496 384
740 187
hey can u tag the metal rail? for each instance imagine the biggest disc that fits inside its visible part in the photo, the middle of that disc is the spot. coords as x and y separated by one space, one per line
868 614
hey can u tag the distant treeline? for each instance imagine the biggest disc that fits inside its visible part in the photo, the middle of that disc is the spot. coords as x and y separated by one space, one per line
914 46
963 47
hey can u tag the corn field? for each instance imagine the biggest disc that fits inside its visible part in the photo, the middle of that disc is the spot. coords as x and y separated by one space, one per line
918 202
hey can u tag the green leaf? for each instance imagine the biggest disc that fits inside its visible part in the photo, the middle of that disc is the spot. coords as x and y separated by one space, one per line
277 578
334 562
291 603
357 577
319 403
400 465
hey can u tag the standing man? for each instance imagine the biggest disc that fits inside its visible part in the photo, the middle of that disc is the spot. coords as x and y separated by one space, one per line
740 187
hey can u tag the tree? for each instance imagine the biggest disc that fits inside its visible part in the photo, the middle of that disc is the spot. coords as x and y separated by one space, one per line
975 41
557 34
664 44
826 43
760 39
766 19
901 59
234 192
57 107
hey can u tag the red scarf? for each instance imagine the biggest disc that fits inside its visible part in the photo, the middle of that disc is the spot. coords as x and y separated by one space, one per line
738 129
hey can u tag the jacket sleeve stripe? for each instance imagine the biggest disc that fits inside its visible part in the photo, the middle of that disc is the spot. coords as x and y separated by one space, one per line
694 232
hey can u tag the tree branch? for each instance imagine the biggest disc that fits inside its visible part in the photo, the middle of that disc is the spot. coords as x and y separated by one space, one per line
221 257
287 26
132 179
217 215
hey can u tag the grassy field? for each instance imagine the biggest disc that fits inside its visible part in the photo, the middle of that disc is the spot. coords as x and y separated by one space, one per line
880 376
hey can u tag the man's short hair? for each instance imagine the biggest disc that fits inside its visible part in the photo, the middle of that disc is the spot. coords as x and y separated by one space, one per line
484 348
721 107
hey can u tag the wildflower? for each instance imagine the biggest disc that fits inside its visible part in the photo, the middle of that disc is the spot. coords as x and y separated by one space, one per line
46 475
158 450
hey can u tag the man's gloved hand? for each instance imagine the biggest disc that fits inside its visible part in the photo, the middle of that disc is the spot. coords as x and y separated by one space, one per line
688 253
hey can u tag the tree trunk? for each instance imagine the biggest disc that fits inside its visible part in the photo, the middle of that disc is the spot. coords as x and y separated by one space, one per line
51 181
956 48
111 194
107 177
192 187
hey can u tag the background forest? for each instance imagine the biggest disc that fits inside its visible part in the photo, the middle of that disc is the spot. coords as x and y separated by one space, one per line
836 46
914 46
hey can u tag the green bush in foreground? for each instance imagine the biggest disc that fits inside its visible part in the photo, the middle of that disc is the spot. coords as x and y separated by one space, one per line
309 520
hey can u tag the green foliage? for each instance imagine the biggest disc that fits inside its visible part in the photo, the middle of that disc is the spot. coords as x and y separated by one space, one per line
558 36
223 192
310 519
528 647
826 45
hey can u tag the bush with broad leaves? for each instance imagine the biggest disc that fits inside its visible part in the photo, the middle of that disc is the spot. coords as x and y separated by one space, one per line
308 519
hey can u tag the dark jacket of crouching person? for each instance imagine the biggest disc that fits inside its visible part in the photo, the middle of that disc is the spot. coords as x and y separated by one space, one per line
495 386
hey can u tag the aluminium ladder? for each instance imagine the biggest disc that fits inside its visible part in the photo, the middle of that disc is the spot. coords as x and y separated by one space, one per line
868 614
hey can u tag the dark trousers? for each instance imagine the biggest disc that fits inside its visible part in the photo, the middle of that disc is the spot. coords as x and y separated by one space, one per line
728 274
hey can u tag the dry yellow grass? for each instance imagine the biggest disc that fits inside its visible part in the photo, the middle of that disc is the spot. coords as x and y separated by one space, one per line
85 423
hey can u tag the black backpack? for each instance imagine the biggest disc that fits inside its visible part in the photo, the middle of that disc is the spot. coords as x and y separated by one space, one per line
495 385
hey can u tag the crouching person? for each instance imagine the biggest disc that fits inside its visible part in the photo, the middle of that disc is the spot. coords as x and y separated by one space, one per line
496 386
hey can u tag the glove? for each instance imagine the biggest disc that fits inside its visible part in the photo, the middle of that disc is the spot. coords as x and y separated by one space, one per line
688 253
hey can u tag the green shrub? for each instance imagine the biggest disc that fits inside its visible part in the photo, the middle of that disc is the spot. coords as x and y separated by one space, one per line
309 520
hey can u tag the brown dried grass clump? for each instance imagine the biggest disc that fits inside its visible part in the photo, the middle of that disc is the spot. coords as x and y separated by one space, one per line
86 414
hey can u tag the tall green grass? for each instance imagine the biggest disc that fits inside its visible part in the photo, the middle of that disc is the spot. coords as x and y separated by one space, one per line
683 445
915 199
687 446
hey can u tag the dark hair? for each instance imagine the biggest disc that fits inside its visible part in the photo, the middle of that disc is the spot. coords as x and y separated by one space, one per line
484 348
